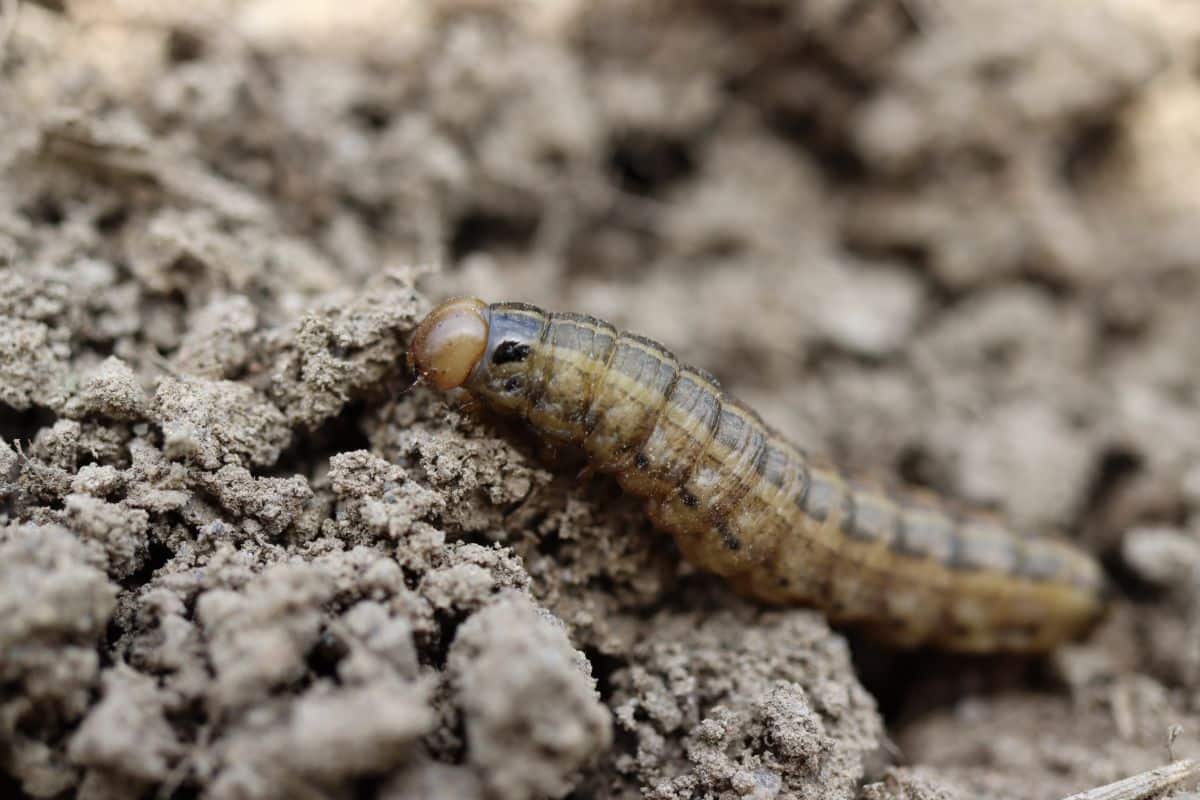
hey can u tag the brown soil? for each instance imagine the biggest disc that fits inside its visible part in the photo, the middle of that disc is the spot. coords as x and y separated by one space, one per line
951 241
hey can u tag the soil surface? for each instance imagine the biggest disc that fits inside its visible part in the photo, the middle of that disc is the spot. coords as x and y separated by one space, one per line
954 242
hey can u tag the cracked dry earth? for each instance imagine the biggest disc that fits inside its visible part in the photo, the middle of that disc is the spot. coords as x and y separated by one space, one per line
238 559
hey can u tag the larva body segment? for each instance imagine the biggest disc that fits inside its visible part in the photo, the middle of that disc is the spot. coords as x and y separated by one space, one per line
741 501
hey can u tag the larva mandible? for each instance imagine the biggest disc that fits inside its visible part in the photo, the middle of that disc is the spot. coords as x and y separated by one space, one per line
782 526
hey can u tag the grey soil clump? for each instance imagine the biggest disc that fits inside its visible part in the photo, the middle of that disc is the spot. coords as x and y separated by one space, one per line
241 559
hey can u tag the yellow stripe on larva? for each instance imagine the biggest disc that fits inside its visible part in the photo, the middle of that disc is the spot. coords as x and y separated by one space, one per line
782 526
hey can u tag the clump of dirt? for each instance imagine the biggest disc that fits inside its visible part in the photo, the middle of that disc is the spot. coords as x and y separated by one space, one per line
240 558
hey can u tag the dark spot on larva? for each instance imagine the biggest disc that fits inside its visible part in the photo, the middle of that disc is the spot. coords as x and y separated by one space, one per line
510 351
641 462
513 384
690 500
730 541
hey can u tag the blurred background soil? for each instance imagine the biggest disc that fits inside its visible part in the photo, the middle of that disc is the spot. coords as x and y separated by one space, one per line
954 242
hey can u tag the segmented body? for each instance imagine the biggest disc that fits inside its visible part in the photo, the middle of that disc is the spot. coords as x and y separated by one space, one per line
783 526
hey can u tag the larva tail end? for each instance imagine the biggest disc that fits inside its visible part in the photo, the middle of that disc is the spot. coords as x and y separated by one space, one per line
449 342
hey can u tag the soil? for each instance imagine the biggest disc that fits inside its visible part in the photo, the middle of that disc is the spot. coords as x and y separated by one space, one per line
951 242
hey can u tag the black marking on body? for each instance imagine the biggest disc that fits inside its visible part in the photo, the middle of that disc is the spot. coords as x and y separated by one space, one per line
510 351
728 539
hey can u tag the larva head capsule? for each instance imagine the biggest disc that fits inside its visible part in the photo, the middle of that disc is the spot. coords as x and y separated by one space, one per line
449 343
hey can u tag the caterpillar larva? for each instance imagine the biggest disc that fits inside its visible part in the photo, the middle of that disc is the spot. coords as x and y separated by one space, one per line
740 500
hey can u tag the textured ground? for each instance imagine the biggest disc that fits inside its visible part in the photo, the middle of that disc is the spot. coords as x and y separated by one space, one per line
956 242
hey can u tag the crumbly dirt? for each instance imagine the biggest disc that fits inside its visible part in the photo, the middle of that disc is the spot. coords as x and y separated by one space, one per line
953 242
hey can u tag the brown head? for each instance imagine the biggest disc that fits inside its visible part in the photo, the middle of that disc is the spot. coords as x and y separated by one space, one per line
449 342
